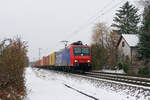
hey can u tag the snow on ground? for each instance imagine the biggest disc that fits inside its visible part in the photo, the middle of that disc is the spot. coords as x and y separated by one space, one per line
112 71
41 89
50 85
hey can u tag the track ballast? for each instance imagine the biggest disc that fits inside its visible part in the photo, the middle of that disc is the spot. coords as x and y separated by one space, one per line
130 79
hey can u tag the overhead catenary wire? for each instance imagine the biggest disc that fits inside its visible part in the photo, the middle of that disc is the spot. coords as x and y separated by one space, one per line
92 19
99 11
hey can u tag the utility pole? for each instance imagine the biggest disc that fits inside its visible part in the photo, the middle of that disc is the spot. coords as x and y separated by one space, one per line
40 53
65 43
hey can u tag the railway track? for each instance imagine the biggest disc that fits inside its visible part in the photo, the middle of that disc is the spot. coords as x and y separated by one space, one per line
130 79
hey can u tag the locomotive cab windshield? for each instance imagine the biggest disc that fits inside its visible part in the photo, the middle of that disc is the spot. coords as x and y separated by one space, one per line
81 51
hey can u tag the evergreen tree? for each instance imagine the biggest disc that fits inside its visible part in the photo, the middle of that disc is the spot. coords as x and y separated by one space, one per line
144 43
126 19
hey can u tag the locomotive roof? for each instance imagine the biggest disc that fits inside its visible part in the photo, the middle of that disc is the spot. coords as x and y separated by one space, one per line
73 46
77 43
78 46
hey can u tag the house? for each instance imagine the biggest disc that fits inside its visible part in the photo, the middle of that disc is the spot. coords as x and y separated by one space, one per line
127 46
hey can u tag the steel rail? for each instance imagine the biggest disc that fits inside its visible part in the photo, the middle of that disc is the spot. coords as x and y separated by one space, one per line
141 76
120 78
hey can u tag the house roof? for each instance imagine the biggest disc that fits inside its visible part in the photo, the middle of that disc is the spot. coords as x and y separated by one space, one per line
131 39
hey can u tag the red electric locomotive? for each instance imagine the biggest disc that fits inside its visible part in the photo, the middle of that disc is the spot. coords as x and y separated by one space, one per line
75 57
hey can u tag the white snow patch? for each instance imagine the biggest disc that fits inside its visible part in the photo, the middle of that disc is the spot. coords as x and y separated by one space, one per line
41 89
131 39
111 71
49 85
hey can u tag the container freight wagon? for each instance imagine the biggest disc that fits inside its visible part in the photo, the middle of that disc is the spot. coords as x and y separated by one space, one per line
62 61
52 59
37 63
47 61
41 62
51 62
44 61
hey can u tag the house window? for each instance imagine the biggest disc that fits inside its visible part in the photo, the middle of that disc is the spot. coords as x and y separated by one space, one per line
123 44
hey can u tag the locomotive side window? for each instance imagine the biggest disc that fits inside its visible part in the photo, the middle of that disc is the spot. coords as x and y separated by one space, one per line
81 50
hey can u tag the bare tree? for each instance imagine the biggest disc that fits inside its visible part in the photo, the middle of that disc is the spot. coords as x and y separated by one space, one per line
111 47
104 41
100 33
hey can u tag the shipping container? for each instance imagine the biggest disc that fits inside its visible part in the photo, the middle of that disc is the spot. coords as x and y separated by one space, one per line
63 58
44 61
41 62
52 59
47 60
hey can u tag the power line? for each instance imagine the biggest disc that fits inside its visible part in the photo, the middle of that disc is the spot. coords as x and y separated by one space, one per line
109 10
99 11
95 18
102 14
39 53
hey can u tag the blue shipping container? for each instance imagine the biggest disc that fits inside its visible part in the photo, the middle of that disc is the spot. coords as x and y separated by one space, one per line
63 58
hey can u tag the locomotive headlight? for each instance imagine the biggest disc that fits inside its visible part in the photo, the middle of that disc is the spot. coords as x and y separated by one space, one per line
88 61
75 60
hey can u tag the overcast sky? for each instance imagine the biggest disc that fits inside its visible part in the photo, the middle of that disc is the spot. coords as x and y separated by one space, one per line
44 23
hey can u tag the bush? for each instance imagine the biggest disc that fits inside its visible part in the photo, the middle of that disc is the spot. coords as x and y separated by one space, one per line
120 65
143 71
12 64
99 57
125 67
